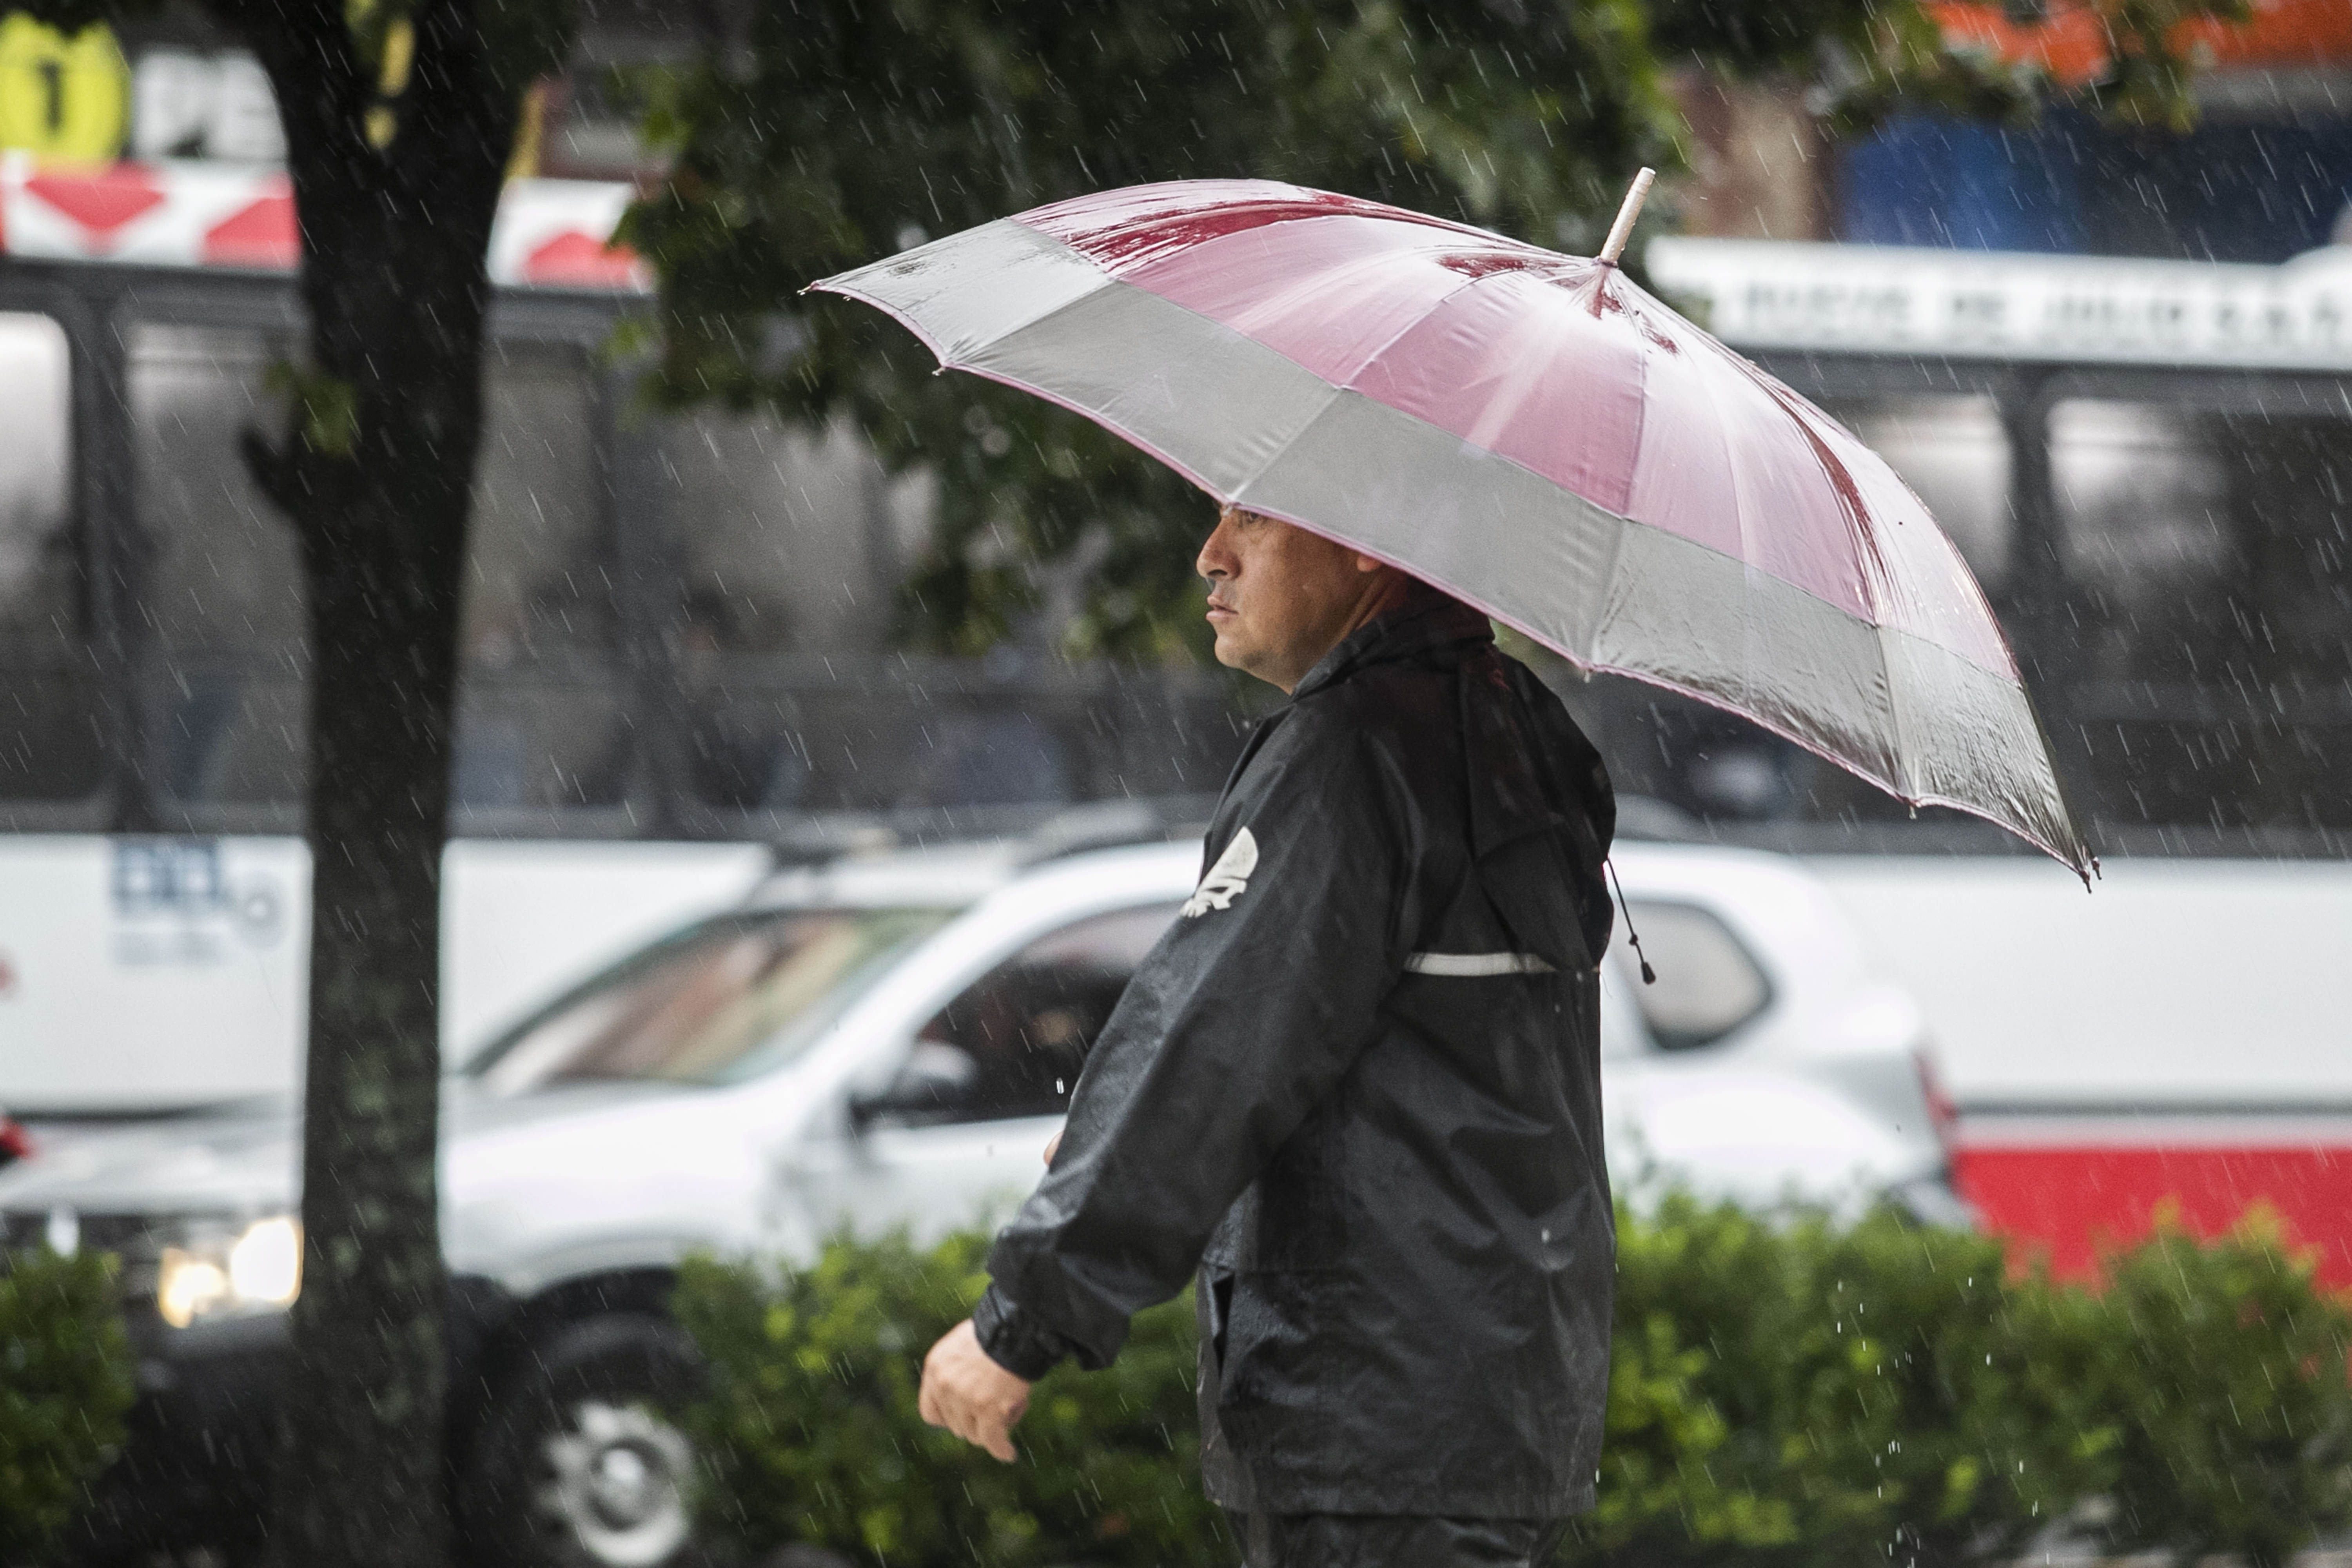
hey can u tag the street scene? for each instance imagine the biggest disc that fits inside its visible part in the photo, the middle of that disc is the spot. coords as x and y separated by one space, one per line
917 785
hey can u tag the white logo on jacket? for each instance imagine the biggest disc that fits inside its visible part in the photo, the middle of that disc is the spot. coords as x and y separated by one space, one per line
1226 880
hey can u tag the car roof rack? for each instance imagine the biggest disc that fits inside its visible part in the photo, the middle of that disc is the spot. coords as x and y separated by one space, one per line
1114 824
1039 831
1036 831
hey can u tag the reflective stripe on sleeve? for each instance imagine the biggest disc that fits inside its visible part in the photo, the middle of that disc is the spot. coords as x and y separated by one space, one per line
1475 965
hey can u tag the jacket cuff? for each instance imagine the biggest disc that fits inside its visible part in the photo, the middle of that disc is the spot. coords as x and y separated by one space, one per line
1013 1339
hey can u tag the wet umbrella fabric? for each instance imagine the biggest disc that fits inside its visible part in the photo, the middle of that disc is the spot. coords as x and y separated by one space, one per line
1530 431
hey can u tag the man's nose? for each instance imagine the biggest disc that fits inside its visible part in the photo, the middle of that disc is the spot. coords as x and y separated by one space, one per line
1216 558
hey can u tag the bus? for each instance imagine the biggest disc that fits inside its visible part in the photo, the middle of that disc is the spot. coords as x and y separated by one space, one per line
677 637
2148 466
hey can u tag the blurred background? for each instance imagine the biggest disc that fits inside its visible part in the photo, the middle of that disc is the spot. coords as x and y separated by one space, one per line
2116 361
797 772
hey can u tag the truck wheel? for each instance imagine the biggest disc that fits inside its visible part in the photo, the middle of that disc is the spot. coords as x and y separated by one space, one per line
579 1462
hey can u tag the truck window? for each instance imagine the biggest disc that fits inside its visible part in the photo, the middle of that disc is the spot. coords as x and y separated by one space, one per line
1708 983
1028 1023
723 1001
784 580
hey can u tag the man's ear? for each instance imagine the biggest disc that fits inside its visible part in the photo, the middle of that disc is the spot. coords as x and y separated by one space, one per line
1369 563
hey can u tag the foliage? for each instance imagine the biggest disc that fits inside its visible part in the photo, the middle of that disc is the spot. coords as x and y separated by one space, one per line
812 1432
847 131
65 1387
1784 1393
1807 1393
2224 1370
858 131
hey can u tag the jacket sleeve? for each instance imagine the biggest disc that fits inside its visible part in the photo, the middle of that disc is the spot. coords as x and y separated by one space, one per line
1242 1019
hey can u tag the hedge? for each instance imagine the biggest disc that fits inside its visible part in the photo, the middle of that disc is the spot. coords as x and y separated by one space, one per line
1784 1393
810 1433
65 1387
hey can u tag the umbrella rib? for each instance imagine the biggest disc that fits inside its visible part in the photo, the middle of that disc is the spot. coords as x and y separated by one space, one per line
1396 337
1617 544
1898 711
1608 595
1335 388
1332 393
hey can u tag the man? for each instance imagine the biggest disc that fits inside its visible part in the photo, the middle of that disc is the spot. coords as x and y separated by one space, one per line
1356 1090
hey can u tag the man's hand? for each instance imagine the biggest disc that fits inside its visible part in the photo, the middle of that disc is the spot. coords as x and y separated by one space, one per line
1053 1144
970 1395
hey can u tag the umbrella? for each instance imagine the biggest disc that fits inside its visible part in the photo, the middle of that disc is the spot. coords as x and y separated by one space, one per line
1533 433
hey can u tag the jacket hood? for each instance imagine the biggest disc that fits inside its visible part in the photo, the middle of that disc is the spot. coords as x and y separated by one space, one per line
1431 626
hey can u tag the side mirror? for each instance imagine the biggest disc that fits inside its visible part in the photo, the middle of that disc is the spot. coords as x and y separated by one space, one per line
935 1079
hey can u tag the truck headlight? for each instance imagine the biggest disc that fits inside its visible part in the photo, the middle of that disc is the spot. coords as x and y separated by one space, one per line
217 1273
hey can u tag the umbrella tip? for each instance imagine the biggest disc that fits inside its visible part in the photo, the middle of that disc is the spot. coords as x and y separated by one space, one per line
1623 230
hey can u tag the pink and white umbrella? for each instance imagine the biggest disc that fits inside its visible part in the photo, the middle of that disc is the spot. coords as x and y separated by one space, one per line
1530 431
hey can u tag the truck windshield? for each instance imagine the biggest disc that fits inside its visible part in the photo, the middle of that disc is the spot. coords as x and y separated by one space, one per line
722 1001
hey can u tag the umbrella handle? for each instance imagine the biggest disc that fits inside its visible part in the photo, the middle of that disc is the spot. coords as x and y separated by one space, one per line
1623 230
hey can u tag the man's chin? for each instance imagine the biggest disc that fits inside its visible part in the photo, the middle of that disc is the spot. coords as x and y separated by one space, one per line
1249 661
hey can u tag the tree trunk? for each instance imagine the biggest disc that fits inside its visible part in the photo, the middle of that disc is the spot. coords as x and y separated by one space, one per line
374 472
361 1477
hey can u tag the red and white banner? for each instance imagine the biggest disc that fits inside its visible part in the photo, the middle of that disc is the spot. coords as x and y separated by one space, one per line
549 234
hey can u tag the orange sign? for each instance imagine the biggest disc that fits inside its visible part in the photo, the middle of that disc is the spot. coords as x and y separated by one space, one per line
2072 42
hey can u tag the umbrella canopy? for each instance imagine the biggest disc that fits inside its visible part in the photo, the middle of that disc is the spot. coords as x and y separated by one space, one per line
1529 431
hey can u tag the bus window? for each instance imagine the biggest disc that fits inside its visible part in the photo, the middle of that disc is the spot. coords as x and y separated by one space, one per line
540 719
538 580
219 584
48 749
1953 452
793 543
785 538
2205 594
539 723
2143 512
785 534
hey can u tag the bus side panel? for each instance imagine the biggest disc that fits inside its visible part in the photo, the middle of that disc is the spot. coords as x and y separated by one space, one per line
143 975
140 975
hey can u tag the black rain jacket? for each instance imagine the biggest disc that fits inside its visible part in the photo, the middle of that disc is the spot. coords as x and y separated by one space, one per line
1356 1089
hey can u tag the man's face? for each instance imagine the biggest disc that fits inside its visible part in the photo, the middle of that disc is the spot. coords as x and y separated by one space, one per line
1280 597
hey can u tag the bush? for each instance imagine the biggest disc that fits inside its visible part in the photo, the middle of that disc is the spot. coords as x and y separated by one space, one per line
1804 1394
65 1385
811 1432
1784 1394
2224 1371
